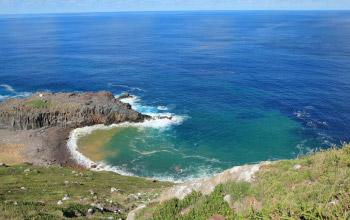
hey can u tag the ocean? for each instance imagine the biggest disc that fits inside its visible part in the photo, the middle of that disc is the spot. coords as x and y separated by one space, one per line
241 86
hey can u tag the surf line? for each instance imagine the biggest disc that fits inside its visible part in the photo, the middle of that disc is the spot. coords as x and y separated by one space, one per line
158 120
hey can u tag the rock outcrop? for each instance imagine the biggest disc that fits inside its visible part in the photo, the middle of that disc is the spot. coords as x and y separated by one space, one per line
207 185
66 110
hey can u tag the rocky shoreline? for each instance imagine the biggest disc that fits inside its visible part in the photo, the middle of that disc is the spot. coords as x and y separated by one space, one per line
41 125
42 122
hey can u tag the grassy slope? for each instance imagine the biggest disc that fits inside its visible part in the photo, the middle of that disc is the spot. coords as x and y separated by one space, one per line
319 189
38 103
44 187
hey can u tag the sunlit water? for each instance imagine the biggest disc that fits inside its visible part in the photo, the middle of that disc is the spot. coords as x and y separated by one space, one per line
245 86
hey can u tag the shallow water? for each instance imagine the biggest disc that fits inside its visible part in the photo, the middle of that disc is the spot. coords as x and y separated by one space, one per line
245 86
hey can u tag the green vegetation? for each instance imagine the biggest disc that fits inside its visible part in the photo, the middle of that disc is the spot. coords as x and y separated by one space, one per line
28 192
38 103
311 187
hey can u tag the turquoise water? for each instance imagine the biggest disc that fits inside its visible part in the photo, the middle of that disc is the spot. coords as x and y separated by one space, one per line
242 86
166 154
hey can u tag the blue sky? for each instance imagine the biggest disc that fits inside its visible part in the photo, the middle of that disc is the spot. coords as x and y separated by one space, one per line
68 6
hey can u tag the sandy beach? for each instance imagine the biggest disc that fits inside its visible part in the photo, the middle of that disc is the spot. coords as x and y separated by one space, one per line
30 146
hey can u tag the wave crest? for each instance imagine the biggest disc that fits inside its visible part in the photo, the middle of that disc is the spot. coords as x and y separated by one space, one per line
10 92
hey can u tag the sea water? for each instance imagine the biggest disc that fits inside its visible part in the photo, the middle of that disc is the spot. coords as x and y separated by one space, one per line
240 87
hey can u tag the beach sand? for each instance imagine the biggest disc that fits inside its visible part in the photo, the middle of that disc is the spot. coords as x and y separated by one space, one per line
11 153
40 146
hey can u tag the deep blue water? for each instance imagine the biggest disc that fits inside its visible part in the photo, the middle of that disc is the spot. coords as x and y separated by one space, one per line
253 85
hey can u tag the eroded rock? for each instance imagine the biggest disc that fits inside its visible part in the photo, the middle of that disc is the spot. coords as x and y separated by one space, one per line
67 110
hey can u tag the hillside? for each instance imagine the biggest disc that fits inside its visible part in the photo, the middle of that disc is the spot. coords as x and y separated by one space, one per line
30 192
311 187
36 129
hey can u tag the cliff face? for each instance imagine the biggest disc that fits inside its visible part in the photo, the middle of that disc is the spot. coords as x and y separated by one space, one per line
67 110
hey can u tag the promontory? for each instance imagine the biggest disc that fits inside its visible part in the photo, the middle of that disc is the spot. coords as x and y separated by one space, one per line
36 129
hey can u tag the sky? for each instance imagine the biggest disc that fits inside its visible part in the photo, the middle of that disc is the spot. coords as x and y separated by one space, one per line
71 6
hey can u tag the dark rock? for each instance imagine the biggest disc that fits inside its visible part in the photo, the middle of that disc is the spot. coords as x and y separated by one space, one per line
165 117
114 209
124 95
3 165
66 110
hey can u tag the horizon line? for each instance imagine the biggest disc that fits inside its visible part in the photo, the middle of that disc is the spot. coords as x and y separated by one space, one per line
174 11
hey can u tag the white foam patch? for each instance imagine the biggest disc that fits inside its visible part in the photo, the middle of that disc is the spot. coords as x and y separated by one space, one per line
12 93
8 88
162 108
158 121
2 97
147 153
101 166
132 100
211 160
81 132
129 88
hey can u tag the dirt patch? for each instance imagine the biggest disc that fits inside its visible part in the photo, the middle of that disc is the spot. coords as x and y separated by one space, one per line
11 153
40 146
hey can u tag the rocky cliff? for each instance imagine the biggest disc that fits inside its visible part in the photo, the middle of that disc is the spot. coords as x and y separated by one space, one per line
66 110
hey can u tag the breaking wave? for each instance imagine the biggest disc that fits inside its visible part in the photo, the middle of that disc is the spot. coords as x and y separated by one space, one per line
159 120
7 92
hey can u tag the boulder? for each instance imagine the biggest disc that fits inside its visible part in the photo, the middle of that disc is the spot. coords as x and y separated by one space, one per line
297 167
3 165
124 96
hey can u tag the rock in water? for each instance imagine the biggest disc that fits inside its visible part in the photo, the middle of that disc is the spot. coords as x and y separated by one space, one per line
124 96
67 110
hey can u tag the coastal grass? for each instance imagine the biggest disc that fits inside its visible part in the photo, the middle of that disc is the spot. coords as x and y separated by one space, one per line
316 186
51 104
38 103
29 192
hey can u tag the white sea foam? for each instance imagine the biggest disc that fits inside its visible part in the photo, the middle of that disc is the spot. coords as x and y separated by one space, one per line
101 166
132 100
8 88
162 120
211 160
126 87
2 97
146 153
162 108
10 92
